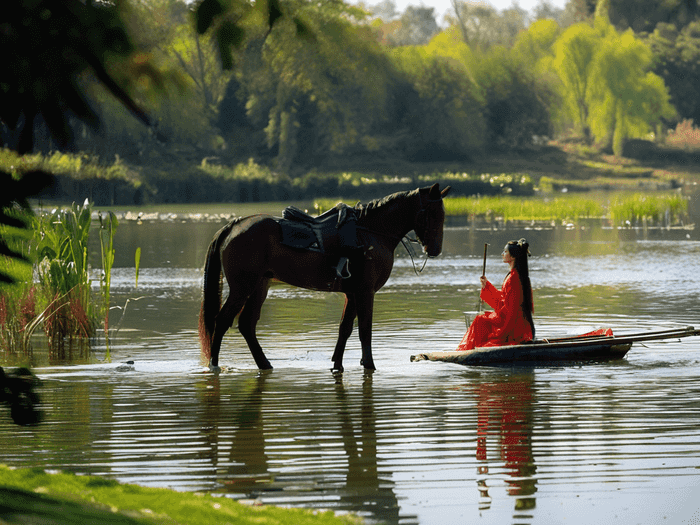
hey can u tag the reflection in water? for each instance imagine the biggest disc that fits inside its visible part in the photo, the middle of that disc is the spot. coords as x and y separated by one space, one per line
505 416
409 444
259 452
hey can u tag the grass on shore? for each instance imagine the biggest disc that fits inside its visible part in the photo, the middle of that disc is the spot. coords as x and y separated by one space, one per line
667 208
36 496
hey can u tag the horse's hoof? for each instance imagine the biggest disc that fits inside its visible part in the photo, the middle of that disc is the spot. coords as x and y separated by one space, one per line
215 369
367 367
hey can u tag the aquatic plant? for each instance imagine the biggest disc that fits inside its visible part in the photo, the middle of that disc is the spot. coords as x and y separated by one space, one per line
651 207
61 246
108 228
648 209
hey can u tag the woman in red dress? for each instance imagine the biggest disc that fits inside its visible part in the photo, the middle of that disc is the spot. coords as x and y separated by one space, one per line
511 321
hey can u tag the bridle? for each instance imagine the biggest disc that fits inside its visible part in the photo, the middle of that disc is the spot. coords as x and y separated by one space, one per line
425 219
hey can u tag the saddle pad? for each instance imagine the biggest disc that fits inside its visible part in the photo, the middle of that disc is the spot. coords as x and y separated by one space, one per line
299 235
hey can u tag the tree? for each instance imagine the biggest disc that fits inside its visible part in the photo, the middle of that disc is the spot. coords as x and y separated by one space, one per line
629 99
48 44
483 26
445 120
417 27
573 61
677 60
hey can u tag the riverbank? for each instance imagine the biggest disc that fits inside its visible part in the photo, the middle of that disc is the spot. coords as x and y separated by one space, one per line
197 178
37 496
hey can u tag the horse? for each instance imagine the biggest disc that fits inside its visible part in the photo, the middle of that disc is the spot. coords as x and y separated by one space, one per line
250 254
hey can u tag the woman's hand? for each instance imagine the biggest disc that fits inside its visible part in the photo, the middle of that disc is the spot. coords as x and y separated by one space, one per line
484 280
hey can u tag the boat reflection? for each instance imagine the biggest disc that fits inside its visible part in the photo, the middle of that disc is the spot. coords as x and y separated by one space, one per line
504 441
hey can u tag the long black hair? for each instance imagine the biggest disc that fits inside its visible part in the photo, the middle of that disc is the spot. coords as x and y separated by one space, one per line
520 251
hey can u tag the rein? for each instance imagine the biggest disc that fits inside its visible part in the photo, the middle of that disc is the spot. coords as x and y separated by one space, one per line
406 240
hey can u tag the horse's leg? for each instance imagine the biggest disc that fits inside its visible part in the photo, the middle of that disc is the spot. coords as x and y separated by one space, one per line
224 320
365 308
344 332
248 320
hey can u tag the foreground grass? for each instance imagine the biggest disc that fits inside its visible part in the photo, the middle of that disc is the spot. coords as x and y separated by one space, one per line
35 496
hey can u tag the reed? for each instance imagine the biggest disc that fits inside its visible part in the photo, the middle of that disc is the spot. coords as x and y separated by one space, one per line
651 208
61 247
648 209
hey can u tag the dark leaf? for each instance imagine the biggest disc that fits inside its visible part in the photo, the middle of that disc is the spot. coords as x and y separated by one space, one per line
274 11
205 14
303 30
229 35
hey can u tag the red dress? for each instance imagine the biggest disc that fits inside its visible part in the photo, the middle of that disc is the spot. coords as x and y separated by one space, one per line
504 326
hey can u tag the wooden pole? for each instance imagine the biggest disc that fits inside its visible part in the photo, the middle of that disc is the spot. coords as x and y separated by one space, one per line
483 274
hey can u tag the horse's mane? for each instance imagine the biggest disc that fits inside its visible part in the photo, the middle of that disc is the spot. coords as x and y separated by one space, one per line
363 210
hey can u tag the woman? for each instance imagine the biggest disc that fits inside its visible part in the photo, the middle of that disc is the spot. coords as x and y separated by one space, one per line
511 322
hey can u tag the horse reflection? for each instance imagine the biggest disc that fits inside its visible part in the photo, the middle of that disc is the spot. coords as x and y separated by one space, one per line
276 440
505 412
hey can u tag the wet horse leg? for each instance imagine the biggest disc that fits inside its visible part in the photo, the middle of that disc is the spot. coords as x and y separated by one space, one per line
224 320
248 320
344 332
365 308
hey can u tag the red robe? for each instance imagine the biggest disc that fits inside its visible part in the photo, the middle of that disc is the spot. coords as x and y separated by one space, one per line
504 326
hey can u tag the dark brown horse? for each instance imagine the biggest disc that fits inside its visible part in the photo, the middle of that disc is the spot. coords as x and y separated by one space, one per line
250 252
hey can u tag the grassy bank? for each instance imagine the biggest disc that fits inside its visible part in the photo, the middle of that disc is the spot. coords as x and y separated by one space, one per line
172 177
35 496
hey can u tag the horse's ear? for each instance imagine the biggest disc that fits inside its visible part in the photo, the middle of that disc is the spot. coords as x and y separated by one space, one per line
434 192
445 191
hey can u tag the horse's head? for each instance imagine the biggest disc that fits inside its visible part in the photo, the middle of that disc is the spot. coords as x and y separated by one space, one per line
430 219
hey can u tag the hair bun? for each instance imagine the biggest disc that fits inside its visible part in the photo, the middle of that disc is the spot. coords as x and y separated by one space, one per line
522 243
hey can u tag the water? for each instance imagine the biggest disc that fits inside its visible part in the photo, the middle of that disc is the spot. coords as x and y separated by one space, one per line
425 443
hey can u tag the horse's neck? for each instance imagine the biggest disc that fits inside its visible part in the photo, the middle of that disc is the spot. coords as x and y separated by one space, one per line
393 219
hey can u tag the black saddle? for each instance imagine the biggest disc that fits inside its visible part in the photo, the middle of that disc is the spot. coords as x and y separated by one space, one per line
327 233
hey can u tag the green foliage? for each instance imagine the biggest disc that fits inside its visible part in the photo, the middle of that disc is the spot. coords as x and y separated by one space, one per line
559 209
66 498
445 120
517 101
628 98
49 43
108 228
61 247
638 208
608 85
676 55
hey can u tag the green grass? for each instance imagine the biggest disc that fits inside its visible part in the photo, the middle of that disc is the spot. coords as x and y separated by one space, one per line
618 208
35 496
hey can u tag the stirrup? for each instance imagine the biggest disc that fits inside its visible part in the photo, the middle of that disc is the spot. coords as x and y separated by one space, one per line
343 268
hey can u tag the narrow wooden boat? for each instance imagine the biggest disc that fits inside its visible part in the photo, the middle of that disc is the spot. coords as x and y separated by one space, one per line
573 349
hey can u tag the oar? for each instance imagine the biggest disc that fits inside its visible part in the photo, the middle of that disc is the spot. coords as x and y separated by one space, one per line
483 273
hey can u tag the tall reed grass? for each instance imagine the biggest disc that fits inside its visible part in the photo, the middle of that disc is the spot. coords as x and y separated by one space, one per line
54 292
619 210
61 248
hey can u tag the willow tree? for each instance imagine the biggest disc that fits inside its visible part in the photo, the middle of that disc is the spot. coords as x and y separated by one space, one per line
573 61
628 98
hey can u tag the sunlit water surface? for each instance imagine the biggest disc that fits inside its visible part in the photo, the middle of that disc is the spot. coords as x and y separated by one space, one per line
426 442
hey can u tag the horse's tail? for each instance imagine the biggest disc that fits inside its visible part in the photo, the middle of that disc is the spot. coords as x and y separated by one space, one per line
211 291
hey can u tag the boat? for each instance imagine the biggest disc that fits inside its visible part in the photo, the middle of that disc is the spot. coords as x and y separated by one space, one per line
595 346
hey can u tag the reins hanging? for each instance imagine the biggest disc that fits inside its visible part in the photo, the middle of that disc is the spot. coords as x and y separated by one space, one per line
406 241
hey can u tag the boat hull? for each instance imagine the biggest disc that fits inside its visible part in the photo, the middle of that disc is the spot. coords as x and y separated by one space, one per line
587 347
529 354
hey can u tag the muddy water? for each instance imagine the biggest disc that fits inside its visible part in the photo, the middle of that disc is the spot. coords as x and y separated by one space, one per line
421 442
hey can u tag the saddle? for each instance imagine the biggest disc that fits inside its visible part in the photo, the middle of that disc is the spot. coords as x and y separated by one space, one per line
333 232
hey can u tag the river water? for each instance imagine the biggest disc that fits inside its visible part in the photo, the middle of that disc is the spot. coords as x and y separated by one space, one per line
412 443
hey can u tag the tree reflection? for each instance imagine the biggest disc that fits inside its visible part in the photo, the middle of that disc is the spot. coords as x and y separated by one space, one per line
505 415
